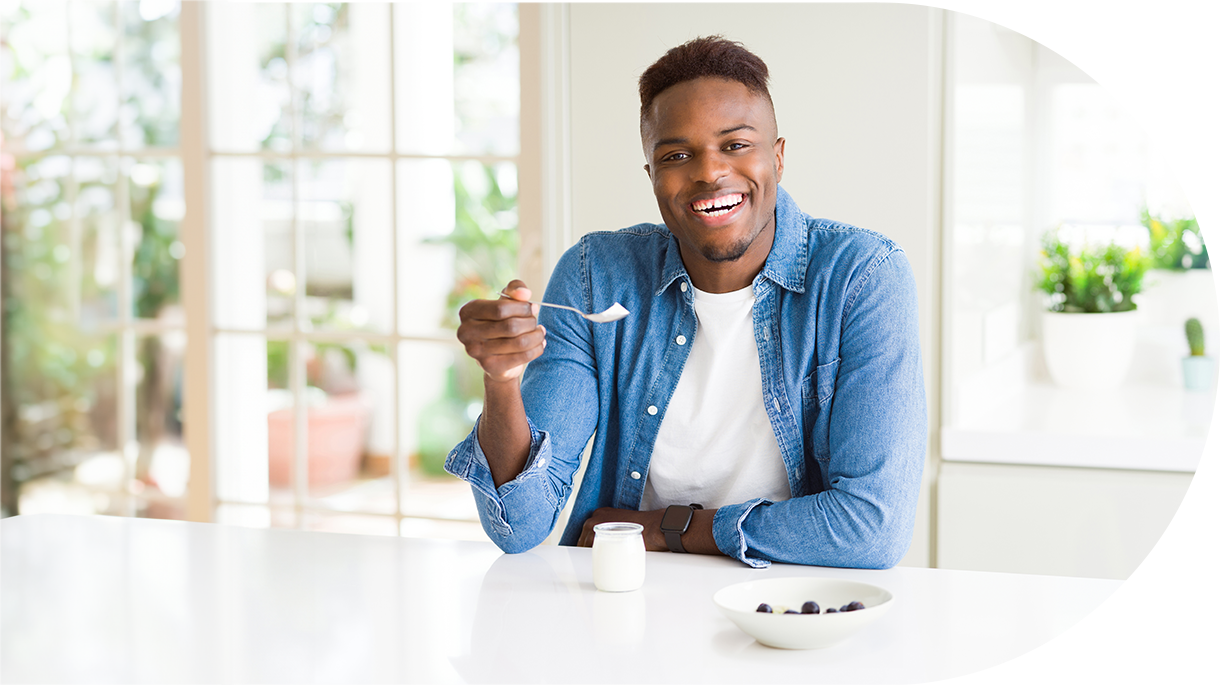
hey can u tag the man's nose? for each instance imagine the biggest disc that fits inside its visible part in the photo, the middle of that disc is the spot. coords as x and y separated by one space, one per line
710 167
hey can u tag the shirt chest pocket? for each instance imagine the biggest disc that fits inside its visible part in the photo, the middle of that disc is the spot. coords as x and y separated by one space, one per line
817 390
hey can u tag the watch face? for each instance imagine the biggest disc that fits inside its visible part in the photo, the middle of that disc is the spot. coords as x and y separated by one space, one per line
676 517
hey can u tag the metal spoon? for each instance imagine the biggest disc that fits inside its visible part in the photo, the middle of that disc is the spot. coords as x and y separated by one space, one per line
612 313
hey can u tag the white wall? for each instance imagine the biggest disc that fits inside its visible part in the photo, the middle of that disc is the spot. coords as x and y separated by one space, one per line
858 98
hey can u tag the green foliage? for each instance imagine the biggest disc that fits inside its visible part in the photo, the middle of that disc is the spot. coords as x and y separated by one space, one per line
1196 338
1092 280
484 237
154 267
1176 244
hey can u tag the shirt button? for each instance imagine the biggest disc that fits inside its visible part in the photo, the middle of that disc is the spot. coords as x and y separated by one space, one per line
651 410
635 475
683 287
681 340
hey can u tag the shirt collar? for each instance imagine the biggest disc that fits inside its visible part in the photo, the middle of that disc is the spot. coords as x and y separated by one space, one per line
787 262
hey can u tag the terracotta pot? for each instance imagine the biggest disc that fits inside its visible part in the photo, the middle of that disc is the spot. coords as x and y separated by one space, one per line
335 433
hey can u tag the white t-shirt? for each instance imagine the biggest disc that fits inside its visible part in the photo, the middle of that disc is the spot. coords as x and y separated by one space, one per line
715 445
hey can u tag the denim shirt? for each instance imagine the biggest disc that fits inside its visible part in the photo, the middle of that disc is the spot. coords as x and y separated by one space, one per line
836 328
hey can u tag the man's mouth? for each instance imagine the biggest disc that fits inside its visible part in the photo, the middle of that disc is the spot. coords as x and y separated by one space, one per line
718 205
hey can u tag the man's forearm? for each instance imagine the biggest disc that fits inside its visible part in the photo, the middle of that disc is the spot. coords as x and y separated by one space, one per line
504 435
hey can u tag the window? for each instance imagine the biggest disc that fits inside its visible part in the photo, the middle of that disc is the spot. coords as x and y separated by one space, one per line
92 199
361 165
364 178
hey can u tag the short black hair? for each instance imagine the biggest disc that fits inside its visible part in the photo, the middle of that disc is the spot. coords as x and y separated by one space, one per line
707 56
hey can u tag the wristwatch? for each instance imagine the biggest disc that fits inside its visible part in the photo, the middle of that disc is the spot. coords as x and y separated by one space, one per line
675 521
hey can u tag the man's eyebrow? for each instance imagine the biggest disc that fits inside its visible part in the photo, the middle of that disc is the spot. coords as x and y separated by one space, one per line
670 141
740 127
724 132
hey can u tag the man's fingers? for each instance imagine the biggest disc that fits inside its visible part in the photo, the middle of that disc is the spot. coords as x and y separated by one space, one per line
496 310
518 290
503 335
479 332
479 346
506 366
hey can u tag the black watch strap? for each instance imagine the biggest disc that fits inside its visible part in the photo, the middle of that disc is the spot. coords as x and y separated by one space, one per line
675 522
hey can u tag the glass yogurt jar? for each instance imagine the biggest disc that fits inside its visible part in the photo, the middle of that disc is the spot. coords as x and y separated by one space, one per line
619 557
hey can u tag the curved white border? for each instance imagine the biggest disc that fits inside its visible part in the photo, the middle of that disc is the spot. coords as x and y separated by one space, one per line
1163 60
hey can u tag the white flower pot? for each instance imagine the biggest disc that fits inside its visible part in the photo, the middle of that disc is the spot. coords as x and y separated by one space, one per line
1199 372
1089 351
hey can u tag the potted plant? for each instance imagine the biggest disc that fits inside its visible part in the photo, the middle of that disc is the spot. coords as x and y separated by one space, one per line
1180 284
1088 332
1176 244
1198 368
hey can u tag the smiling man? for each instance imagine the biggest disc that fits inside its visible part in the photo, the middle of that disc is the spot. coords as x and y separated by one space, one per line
764 398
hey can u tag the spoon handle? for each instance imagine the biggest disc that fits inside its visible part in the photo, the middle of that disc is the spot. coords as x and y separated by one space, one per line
549 304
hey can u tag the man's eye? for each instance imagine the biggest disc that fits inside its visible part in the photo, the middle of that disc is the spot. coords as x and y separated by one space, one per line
675 157
736 146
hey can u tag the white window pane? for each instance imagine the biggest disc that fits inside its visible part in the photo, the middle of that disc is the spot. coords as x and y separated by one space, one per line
155 195
344 207
458 238
151 80
456 73
248 77
424 77
350 389
441 396
341 75
95 98
35 36
242 405
486 90
253 278
62 389
163 465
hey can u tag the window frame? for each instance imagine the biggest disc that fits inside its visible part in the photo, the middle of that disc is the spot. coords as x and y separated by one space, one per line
199 410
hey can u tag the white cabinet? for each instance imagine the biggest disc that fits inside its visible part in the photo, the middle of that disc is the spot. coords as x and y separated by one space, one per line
1052 520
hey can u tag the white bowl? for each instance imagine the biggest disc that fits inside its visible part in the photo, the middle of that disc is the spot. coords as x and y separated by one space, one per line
801 631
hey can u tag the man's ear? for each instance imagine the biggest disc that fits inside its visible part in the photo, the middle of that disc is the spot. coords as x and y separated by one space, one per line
647 171
780 149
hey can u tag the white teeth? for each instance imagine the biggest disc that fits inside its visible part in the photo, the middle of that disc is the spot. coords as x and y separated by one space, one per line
725 203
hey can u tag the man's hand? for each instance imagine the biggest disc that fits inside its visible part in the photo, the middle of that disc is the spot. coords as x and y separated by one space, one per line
698 539
502 335
649 520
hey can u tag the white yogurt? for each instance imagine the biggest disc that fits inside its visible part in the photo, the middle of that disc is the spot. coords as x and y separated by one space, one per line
619 557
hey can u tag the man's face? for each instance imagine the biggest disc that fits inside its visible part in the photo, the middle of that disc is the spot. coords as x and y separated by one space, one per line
714 159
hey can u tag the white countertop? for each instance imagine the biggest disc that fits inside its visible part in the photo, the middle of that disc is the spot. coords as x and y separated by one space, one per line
104 599
1141 427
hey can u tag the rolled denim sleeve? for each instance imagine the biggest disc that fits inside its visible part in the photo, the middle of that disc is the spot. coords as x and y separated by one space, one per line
559 393
531 500
876 443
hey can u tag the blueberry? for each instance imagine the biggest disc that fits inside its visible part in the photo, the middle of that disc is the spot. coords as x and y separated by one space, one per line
856 606
764 608
791 611
846 608
811 608
830 610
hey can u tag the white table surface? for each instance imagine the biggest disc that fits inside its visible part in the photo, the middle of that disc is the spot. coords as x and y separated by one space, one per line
105 599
